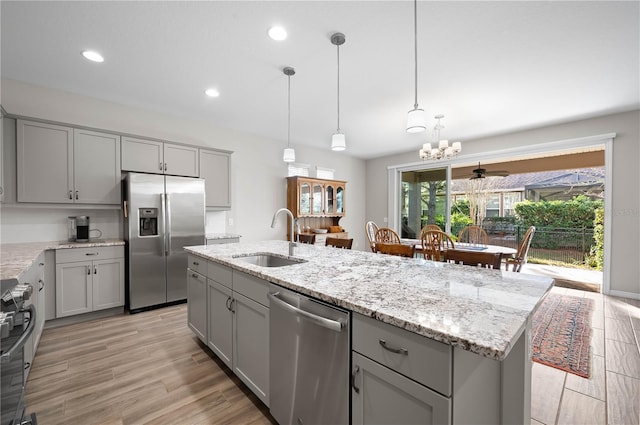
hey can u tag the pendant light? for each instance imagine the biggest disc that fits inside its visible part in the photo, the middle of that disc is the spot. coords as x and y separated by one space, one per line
338 142
416 120
289 154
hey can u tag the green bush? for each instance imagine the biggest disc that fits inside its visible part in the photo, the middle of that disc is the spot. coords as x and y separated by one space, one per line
596 255
458 221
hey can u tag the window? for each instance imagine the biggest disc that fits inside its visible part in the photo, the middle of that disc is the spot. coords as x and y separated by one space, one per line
509 201
423 200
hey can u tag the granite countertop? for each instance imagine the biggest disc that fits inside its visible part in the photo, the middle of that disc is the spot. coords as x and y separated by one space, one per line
222 236
16 258
479 310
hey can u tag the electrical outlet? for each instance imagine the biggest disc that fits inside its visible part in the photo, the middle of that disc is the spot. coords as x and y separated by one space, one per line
386 220
230 221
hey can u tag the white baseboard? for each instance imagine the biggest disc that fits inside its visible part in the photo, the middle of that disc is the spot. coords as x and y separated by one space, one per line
623 294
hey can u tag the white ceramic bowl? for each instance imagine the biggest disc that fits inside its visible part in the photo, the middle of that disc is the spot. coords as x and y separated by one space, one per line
320 230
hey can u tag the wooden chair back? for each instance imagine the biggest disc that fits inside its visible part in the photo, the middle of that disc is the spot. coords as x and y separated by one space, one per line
339 243
523 249
304 238
434 244
396 249
474 235
387 235
489 260
430 227
370 229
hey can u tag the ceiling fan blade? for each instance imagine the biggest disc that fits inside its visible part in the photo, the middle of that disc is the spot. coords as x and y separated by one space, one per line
498 173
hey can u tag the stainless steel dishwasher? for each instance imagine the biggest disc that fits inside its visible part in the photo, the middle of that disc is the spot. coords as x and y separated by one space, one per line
309 360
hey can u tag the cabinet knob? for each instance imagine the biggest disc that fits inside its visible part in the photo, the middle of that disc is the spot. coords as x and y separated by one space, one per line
161 166
77 195
70 194
88 270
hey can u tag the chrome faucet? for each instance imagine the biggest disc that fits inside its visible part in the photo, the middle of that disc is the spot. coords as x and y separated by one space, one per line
292 243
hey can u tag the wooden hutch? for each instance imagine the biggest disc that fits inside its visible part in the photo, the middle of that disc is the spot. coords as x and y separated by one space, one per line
317 204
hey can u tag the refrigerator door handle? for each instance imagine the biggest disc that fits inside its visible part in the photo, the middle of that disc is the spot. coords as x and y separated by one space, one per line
163 207
167 223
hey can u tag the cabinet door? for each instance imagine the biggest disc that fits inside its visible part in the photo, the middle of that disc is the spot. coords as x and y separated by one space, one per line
304 207
220 321
180 160
318 199
108 283
142 155
73 288
197 304
382 396
215 170
329 199
45 162
251 345
96 167
1 155
340 200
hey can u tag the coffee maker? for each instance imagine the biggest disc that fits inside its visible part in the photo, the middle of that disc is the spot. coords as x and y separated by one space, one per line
78 228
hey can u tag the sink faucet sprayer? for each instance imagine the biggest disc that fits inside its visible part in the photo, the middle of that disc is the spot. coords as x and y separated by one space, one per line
291 233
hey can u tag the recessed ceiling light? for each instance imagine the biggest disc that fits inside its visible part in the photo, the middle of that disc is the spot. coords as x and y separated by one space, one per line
277 33
212 92
93 56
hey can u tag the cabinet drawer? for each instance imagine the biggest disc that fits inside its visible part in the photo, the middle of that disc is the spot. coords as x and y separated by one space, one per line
421 359
197 264
251 287
219 273
70 255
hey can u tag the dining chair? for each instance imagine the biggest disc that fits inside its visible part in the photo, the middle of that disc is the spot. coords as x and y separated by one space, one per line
520 258
339 243
434 243
370 229
489 260
401 250
303 238
387 235
474 235
430 227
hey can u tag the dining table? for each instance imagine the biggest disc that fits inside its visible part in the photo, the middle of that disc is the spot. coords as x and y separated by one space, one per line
462 246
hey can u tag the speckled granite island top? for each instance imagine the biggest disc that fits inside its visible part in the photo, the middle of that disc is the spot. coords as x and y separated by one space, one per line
15 258
480 310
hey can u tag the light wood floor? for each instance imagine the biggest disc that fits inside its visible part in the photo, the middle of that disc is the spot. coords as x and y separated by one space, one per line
146 368
612 394
149 368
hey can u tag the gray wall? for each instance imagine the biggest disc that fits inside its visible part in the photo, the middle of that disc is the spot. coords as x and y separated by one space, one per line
624 215
258 172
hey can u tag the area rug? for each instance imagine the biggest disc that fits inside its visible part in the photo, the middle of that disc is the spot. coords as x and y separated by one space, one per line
561 333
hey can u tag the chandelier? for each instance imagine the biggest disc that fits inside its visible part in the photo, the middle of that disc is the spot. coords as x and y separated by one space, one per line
441 148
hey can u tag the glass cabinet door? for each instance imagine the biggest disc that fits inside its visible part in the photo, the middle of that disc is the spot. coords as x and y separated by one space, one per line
340 200
317 199
305 198
329 200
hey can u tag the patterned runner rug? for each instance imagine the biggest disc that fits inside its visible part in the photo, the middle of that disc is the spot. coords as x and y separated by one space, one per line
561 333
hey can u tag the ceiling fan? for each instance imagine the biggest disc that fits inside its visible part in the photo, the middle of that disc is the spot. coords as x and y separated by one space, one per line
480 173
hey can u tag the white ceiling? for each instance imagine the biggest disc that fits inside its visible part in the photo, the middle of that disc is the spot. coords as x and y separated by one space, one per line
489 67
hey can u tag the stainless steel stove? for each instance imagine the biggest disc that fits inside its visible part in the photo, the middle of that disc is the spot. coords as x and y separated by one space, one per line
17 321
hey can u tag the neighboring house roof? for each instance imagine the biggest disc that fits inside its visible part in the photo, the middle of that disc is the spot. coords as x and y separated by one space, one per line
562 179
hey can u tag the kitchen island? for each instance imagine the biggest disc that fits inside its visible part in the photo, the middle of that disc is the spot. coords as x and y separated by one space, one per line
483 317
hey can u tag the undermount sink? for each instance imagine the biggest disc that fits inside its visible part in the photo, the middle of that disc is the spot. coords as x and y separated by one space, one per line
269 260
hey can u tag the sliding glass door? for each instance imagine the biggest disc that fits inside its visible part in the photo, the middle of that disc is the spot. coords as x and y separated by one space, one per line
423 200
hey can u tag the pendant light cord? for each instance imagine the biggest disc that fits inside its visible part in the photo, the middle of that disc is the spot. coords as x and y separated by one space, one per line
289 111
338 50
415 46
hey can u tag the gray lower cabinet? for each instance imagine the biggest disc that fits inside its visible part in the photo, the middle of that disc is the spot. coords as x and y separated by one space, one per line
382 396
197 304
398 376
34 276
89 279
237 320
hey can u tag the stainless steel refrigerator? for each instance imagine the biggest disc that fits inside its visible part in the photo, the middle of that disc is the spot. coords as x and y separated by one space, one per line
162 214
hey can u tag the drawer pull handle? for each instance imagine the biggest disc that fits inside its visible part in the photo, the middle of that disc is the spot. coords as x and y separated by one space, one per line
91 253
195 263
195 276
393 350
353 379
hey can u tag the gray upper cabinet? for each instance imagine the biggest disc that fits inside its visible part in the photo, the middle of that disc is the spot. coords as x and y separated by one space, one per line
150 156
215 170
57 164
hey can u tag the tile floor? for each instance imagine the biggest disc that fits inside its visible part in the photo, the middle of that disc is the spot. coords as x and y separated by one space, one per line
612 394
